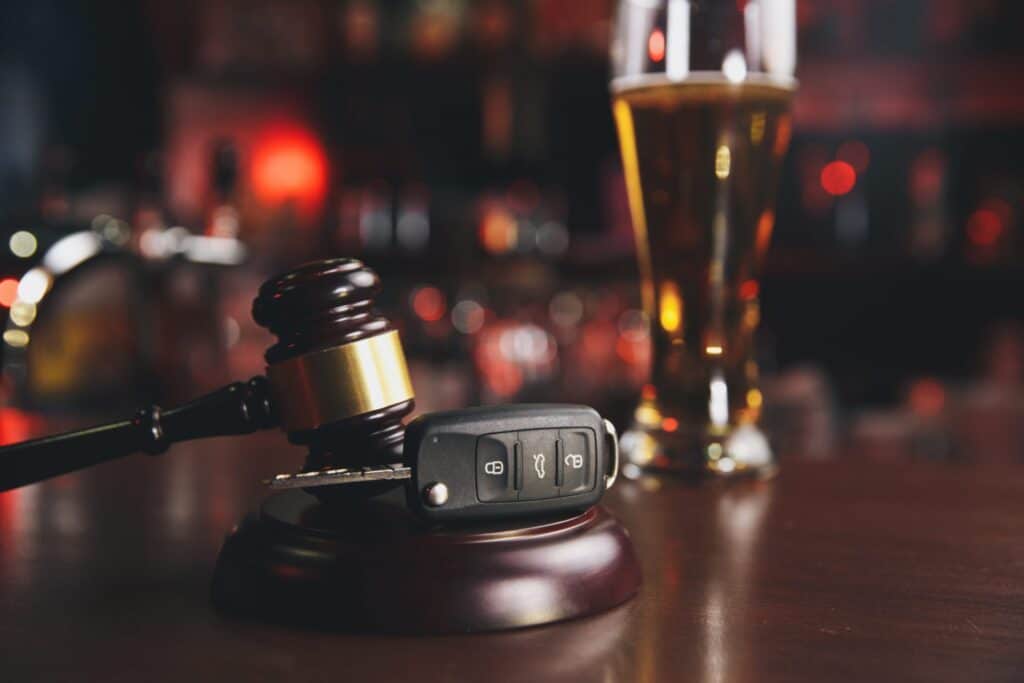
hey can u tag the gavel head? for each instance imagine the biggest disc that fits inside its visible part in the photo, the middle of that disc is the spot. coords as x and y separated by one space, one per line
337 373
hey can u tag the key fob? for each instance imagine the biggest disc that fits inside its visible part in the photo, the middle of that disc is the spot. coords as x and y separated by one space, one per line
509 461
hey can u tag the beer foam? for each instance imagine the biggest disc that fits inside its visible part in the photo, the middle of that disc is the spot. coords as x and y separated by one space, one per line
623 84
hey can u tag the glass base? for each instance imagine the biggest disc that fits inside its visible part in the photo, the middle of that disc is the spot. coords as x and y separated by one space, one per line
742 451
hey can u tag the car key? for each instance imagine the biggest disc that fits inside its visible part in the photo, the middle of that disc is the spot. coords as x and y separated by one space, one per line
494 462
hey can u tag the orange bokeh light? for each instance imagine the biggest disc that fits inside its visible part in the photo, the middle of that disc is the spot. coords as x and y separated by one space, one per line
289 164
656 45
764 231
429 304
8 292
838 178
630 350
670 424
498 230
927 397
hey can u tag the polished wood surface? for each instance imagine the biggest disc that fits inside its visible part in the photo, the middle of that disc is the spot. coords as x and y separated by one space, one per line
833 571
372 566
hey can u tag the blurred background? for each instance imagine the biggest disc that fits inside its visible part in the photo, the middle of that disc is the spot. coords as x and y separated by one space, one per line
158 160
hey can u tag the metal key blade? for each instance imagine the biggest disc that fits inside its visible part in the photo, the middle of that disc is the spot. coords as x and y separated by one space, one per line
338 475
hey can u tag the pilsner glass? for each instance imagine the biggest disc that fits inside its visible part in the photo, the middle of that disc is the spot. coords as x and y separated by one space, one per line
701 95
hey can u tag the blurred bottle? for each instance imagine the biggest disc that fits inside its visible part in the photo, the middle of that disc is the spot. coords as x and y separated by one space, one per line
990 418
222 216
930 230
149 217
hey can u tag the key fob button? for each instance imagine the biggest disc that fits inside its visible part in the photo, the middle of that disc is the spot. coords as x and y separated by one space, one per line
576 459
494 468
538 463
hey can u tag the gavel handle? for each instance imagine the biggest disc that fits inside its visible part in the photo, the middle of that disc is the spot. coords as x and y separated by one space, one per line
238 408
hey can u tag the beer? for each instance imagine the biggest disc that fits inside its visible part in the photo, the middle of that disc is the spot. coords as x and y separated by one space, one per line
701 159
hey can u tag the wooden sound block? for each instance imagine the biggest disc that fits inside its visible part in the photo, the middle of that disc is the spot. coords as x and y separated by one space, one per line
370 565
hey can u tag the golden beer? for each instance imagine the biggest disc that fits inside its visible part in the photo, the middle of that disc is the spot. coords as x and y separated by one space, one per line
701 160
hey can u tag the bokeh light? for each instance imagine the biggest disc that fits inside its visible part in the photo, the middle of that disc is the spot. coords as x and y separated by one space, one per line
984 227
927 397
429 304
838 178
290 164
22 313
749 290
23 244
734 66
8 292
499 231
656 45
33 285
16 338
468 316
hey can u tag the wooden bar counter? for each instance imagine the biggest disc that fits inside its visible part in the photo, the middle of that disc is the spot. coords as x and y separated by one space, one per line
835 571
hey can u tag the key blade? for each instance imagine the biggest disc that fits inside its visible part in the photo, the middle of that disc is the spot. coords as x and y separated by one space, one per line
338 475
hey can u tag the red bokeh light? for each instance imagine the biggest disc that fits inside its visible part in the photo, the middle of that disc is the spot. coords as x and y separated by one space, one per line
17 425
749 290
838 178
504 379
670 424
630 351
984 227
926 176
289 164
8 292
656 45
429 304
927 397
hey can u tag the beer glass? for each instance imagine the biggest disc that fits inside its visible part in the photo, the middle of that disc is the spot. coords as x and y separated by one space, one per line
701 94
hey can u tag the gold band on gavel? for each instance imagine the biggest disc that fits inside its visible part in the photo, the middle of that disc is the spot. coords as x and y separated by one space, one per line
325 386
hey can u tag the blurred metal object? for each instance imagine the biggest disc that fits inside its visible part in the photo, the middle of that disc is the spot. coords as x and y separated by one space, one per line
83 329
75 336
179 242
338 475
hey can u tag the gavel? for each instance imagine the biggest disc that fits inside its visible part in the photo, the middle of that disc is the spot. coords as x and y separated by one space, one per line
336 382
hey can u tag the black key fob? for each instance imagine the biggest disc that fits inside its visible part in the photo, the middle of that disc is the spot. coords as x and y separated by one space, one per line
509 461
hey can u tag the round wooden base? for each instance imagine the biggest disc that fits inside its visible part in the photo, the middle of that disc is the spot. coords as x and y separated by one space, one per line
371 565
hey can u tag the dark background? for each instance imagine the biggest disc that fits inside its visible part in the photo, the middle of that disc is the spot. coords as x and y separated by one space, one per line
484 129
